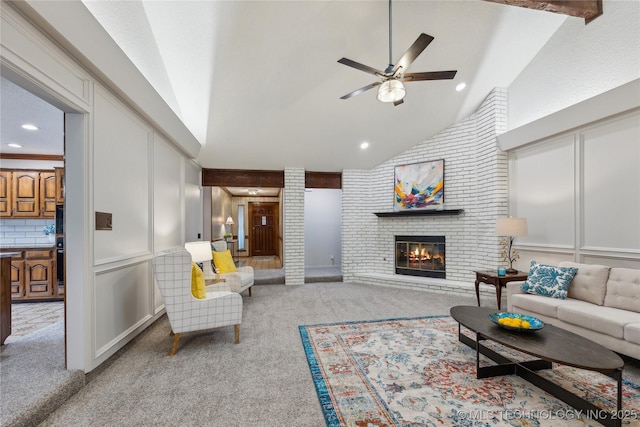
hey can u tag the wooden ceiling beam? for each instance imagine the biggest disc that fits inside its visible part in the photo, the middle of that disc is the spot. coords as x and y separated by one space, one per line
587 9
242 178
323 180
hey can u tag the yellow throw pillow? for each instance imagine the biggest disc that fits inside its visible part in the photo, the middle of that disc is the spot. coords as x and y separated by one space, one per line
198 287
223 261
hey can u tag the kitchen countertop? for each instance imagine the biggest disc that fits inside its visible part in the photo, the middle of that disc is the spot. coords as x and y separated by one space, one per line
4 248
8 254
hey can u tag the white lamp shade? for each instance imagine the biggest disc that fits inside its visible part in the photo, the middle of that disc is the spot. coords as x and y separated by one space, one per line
229 221
391 91
200 251
512 227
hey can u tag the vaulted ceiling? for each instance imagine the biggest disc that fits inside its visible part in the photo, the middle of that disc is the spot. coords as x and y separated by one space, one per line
259 85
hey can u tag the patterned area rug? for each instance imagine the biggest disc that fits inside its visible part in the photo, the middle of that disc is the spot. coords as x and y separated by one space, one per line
415 372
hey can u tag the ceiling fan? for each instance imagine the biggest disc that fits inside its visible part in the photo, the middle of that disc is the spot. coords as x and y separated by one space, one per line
391 88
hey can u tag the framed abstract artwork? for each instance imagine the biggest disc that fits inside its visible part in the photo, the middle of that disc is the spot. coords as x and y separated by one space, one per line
419 186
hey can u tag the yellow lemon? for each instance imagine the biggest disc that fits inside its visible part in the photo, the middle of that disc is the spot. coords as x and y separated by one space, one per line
516 322
525 324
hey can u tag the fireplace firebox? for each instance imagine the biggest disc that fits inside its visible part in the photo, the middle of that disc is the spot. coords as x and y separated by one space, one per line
421 256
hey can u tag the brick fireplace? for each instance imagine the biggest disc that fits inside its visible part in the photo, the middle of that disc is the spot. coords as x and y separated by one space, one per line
422 256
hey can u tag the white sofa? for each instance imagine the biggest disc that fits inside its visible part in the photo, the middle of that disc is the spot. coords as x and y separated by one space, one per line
602 304
241 280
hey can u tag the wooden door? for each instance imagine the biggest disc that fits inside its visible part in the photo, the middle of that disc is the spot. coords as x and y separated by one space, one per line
5 193
48 194
26 194
263 222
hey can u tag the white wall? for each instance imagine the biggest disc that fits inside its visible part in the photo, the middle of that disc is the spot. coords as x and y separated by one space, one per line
579 62
194 200
322 227
119 161
122 179
220 210
584 205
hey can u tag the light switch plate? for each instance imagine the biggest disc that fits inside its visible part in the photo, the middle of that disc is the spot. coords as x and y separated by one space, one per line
103 221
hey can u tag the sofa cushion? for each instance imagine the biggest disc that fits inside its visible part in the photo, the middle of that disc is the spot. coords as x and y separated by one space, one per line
623 289
536 304
590 282
548 280
245 277
632 333
606 320
223 261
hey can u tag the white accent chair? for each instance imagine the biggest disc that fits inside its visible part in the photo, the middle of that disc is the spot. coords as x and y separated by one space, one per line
235 282
172 270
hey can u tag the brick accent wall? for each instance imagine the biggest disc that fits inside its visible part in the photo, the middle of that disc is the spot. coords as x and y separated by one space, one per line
294 226
475 180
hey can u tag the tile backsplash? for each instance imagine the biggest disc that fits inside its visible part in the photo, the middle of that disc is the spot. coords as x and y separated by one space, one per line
24 232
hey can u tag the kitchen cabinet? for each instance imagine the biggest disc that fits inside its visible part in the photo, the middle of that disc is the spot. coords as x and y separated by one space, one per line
33 275
6 191
17 276
59 185
48 194
26 194
39 276
30 193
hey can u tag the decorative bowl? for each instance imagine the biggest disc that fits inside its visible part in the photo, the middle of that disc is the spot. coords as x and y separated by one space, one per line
534 323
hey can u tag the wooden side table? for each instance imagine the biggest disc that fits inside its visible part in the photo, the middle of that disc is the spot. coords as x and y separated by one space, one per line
492 278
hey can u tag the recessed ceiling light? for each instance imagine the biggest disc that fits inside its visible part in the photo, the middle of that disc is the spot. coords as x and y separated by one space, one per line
461 86
14 145
29 126
364 145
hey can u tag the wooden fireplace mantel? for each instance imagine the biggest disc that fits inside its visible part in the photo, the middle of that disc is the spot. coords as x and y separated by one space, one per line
423 212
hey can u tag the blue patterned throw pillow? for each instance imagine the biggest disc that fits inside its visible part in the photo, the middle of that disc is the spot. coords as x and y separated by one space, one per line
549 281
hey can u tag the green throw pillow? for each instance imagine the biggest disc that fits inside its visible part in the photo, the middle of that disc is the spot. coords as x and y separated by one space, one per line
549 281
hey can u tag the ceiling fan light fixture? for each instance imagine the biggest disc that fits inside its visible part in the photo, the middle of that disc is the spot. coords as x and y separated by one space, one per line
391 90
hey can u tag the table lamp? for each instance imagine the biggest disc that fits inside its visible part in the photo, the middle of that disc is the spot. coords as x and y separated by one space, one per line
509 228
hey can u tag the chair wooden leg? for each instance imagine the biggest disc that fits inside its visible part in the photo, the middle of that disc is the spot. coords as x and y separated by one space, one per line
174 348
249 291
236 329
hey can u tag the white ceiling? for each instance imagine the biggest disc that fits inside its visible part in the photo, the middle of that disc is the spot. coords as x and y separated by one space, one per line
18 107
258 82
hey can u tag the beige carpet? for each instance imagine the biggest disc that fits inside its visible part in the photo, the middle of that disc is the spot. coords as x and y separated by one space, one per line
263 381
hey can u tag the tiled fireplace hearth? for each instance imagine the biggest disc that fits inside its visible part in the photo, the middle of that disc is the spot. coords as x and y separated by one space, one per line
422 256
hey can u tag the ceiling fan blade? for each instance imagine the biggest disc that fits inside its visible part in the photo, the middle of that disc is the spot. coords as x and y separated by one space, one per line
361 67
359 91
432 75
412 53
395 104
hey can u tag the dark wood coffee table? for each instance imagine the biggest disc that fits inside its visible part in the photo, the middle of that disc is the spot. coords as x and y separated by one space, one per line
549 344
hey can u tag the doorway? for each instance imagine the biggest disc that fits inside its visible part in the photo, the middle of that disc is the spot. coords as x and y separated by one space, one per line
263 223
69 157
